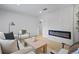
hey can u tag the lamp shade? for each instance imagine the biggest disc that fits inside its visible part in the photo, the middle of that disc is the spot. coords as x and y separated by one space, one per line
12 23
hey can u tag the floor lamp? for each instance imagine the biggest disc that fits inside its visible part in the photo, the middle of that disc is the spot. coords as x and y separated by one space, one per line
11 24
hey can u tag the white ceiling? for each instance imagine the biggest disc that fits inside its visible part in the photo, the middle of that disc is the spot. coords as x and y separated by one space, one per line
32 9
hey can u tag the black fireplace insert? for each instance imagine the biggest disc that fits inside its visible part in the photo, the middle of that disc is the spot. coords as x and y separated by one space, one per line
62 34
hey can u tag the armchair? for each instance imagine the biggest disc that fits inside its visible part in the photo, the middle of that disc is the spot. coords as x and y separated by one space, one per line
72 49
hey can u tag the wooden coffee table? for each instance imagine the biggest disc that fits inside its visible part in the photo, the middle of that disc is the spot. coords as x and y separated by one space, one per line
40 46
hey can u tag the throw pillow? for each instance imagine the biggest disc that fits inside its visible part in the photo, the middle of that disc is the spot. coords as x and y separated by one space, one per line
9 36
21 46
2 35
23 31
8 46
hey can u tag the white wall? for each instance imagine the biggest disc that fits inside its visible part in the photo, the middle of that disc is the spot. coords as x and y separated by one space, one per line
61 19
28 22
76 33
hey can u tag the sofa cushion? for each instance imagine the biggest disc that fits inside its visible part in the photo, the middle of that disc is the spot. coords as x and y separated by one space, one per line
9 36
8 46
0 50
2 35
63 51
24 36
24 51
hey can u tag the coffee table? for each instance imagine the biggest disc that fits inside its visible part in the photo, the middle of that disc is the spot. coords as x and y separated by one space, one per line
40 46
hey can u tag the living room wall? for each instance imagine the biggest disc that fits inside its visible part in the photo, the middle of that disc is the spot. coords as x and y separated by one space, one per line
76 32
60 19
28 22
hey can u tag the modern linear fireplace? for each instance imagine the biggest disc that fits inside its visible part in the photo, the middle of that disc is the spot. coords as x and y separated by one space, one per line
62 34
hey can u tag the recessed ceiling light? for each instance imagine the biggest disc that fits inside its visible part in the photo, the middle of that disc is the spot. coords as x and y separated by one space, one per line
40 11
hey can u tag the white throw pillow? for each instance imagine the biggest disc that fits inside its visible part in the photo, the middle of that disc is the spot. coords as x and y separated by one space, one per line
21 46
8 46
2 35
